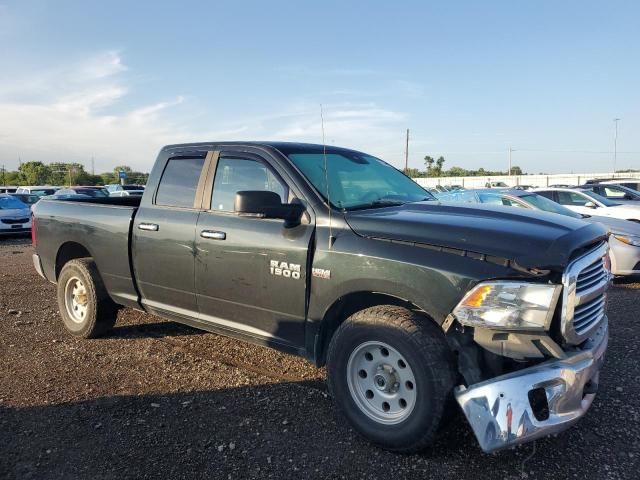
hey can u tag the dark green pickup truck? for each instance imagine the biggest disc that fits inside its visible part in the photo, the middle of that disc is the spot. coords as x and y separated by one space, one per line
336 256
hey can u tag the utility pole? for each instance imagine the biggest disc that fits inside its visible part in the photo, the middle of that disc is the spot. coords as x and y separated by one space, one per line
93 167
510 152
615 145
4 177
406 154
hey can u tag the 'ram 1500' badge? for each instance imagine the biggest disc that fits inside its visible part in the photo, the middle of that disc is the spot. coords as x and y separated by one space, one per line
284 269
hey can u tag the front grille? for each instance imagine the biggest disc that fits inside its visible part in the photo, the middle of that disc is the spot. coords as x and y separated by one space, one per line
584 295
13 221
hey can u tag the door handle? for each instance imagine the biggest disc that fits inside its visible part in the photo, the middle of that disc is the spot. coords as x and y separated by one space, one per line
213 235
151 227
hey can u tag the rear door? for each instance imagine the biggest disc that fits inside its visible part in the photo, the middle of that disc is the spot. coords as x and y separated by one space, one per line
251 273
164 238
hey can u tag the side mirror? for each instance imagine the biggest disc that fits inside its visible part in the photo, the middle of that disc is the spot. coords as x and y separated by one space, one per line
590 205
263 204
628 196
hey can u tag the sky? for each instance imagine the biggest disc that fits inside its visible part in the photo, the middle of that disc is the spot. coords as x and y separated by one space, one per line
115 81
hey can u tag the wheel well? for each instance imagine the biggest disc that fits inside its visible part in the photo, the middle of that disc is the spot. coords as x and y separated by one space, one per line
69 251
346 306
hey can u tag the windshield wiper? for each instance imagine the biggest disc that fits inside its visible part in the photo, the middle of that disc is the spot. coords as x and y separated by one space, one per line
378 204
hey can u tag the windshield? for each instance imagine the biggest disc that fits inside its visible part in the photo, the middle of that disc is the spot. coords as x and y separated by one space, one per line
357 180
7 203
598 198
547 205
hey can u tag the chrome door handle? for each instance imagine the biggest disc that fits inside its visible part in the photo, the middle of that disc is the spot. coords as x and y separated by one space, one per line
151 227
213 235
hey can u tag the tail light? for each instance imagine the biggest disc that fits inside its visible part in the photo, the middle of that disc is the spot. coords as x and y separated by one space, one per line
33 229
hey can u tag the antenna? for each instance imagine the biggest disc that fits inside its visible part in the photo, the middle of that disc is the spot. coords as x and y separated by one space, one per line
326 175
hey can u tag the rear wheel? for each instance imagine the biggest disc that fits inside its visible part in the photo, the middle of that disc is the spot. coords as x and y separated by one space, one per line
85 307
391 374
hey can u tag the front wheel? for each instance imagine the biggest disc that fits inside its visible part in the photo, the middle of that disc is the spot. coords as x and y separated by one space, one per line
391 374
85 307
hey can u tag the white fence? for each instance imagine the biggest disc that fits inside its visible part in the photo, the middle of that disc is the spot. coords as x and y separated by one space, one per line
513 180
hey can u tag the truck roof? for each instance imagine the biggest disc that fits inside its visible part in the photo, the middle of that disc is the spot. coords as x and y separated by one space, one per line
282 146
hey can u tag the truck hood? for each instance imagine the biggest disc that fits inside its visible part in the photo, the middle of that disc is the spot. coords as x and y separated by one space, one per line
530 238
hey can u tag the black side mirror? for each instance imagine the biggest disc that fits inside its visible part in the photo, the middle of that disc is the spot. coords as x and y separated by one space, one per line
263 204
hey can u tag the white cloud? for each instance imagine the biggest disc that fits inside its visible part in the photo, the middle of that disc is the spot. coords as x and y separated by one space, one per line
62 115
78 111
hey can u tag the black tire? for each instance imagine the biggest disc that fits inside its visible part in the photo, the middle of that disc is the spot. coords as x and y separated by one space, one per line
424 347
100 311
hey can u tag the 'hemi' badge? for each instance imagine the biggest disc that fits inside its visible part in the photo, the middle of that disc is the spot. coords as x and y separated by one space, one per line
321 273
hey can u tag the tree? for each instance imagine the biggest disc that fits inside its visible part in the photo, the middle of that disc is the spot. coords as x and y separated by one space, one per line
413 173
437 171
516 171
34 173
428 162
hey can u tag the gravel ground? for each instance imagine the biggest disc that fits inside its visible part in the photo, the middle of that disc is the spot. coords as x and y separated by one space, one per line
159 400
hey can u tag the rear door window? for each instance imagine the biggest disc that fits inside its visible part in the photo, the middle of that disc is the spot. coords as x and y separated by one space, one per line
235 174
179 182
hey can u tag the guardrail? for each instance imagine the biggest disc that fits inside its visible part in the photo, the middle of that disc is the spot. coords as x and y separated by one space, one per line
514 180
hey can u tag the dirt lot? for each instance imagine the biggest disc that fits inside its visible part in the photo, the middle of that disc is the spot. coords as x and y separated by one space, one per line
159 400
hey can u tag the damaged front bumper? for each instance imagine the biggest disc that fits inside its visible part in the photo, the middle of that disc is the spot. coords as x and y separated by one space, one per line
536 401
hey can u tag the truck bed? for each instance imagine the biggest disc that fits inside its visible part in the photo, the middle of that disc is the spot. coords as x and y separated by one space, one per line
102 226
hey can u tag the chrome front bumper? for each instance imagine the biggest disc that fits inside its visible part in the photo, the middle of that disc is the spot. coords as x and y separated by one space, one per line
511 409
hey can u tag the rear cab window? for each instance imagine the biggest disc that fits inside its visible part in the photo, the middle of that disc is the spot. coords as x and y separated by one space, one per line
179 182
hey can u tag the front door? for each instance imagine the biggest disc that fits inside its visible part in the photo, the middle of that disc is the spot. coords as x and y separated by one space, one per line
251 273
578 203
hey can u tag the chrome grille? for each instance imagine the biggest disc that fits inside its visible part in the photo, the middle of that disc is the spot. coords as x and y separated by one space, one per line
584 294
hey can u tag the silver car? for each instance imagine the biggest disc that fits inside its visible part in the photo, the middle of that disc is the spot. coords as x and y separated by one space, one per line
624 240
15 216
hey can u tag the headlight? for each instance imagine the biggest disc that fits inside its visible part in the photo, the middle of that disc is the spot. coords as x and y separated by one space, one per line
509 305
628 239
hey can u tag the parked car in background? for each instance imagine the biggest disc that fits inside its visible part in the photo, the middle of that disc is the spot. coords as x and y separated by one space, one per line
26 198
632 183
127 193
89 191
41 190
624 240
617 193
15 216
589 203
7 189
116 187
496 185
524 187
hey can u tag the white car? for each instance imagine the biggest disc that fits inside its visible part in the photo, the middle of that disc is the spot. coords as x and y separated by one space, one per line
127 193
590 203
39 190
15 216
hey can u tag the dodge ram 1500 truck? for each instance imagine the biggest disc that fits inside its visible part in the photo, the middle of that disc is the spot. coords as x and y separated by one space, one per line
336 256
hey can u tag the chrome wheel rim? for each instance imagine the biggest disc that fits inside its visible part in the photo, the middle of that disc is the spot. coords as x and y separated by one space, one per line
381 382
76 299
